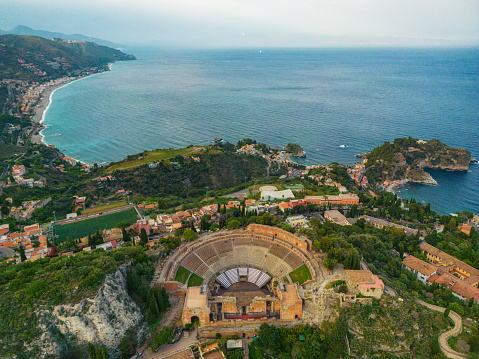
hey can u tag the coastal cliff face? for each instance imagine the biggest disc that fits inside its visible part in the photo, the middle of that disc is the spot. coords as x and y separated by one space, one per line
406 159
102 320
294 150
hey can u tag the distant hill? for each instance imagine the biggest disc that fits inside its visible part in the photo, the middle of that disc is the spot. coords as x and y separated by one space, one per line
35 58
25 30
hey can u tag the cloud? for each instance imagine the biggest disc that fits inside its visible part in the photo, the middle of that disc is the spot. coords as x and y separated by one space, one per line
150 20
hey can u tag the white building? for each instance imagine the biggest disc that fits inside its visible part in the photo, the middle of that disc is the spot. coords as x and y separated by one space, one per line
421 269
275 195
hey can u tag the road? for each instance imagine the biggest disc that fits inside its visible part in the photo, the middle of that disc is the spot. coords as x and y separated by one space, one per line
444 337
169 349
145 351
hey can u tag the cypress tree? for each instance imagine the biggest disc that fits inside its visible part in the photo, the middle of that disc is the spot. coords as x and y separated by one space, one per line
126 237
143 237
23 257
166 299
153 305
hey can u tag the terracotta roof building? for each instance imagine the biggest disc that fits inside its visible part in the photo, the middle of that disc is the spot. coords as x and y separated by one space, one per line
421 269
364 282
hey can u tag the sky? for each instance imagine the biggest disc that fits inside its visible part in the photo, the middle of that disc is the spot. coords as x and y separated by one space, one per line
254 22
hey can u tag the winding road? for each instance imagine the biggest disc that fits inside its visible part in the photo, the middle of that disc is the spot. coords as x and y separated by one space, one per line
444 337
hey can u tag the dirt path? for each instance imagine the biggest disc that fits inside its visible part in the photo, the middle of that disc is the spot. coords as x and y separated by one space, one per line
444 337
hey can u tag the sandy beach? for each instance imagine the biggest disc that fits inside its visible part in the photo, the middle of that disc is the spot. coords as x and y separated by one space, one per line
42 106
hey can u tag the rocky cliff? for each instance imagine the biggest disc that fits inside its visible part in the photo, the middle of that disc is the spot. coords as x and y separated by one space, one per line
102 320
294 150
406 158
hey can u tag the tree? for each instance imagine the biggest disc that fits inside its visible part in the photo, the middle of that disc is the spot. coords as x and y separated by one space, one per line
143 237
126 236
5 210
162 337
153 304
330 263
132 281
233 224
446 312
122 225
189 235
166 299
473 342
23 257
126 348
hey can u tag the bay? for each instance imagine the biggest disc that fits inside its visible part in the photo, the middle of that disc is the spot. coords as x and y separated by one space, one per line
319 98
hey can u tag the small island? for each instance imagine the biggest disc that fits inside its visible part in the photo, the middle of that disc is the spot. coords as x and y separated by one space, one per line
405 159
294 150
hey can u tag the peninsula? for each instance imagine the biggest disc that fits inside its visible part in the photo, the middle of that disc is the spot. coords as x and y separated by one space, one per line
295 150
405 159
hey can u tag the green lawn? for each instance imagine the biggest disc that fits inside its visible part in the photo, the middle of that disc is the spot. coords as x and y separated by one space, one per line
90 226
182 275
195 280
301 274
157 155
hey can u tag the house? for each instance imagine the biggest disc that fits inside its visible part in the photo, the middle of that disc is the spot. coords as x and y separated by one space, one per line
142 223
297 202
283 206
365 283
421 269
464 228
448 263
296 221
4 229
343 199
381 223
336 217
460 288
18 170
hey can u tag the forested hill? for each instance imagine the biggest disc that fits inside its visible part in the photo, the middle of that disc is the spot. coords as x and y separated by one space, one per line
182 178
35 58
405 158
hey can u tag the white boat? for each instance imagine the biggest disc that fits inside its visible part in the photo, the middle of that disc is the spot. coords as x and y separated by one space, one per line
343 146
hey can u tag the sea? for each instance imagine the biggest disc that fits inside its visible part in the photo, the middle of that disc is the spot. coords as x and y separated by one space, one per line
335 103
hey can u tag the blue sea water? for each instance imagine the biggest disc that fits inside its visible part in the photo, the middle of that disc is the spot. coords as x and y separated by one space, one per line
319 98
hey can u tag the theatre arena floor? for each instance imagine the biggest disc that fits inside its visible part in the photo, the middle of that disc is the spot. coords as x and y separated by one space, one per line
244 292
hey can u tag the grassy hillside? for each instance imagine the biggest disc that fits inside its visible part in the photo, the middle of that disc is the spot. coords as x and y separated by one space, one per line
153 156
54 58
186 178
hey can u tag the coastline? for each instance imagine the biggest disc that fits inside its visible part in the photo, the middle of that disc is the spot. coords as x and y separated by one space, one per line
44 103
398 184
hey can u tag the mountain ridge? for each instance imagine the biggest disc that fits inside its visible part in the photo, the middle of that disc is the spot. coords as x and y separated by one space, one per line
26 30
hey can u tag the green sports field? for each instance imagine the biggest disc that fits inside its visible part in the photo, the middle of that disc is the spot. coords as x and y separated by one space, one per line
90 226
